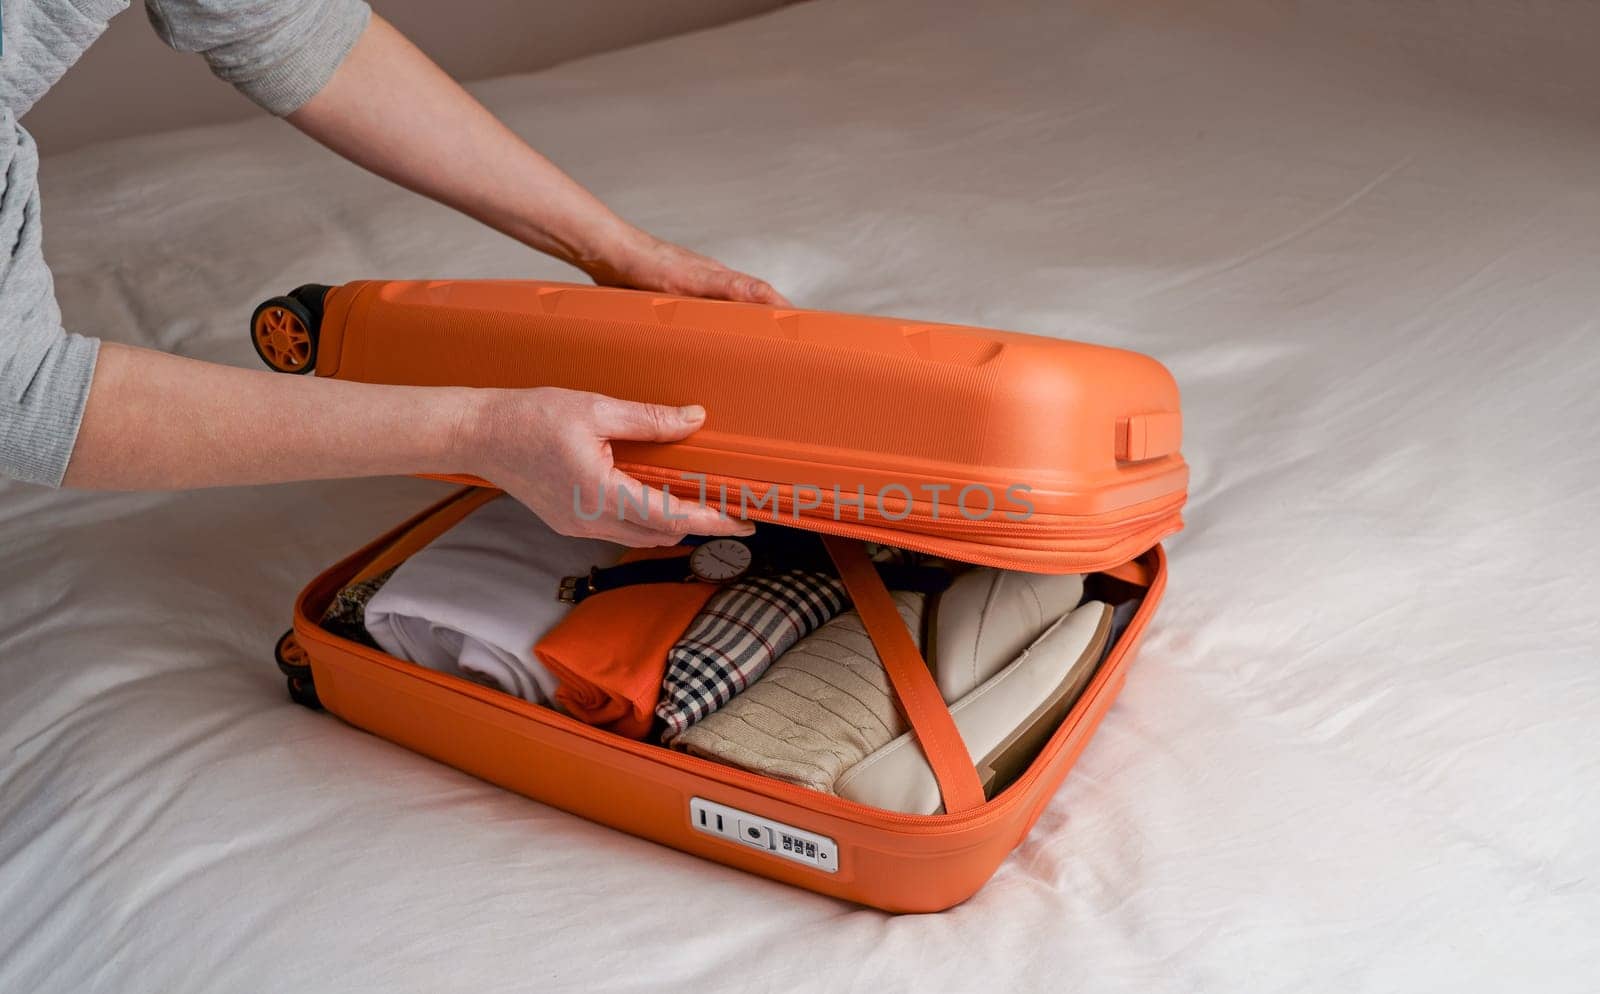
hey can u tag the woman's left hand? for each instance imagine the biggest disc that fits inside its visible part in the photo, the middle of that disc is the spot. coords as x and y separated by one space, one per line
391 110
642 261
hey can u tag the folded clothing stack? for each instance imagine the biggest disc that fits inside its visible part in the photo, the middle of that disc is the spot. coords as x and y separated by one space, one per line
744 628
610 654
825 716
771 673
476 599
821 709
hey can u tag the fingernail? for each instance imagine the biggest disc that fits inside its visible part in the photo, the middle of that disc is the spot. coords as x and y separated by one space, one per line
692 412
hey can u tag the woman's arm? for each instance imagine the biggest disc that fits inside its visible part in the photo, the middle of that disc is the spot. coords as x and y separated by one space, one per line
390 109
156 421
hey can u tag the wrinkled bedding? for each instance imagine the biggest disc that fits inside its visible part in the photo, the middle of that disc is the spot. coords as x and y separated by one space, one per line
1361 748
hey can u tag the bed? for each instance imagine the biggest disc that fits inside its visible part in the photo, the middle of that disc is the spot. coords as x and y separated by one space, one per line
1360 750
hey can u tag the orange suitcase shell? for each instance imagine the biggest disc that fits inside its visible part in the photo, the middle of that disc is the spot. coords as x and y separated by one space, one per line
855 427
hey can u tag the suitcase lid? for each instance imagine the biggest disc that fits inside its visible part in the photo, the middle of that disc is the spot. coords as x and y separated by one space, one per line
991 447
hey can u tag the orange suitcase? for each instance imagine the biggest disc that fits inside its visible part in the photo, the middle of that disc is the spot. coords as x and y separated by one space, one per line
990 447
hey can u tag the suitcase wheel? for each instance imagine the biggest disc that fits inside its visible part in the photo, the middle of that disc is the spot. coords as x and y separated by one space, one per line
304 694
284 333
292 659
295 665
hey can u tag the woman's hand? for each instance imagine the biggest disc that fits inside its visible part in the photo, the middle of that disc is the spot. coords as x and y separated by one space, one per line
641 261
389 109
551 449
224 426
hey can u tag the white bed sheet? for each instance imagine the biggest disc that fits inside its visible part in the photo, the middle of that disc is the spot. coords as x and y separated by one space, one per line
1361 749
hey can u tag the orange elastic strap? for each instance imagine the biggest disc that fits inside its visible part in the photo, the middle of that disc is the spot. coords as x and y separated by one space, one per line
919 696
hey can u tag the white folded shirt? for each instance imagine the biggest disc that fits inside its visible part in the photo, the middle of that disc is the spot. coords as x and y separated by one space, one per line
477 598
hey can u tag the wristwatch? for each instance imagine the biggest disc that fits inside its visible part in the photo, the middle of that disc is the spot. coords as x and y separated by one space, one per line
724 560
716 560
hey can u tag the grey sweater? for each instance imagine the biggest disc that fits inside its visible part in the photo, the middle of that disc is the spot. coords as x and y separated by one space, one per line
279 53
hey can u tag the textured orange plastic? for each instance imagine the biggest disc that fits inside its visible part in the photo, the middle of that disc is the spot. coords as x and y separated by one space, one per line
851 426
936 437
897 862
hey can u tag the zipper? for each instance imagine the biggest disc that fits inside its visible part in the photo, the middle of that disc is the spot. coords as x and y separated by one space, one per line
1152 524
1048 525
930 533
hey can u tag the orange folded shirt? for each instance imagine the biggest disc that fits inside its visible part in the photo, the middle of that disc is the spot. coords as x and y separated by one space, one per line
609 653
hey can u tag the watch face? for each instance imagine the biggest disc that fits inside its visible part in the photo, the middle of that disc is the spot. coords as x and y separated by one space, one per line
720 560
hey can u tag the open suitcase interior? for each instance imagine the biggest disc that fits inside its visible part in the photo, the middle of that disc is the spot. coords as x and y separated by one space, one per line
869 443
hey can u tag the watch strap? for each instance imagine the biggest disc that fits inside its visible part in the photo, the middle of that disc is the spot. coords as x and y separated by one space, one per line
675 569
574 589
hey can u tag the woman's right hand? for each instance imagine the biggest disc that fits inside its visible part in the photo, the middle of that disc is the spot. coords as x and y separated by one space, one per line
551 449
223 426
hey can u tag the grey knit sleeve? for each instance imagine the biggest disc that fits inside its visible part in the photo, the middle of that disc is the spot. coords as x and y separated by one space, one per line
44 372
279 53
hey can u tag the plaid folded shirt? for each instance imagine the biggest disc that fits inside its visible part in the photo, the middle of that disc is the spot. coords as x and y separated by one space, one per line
737 635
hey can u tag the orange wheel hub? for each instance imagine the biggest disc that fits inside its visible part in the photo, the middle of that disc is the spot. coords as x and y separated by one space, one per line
283 339
293 654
